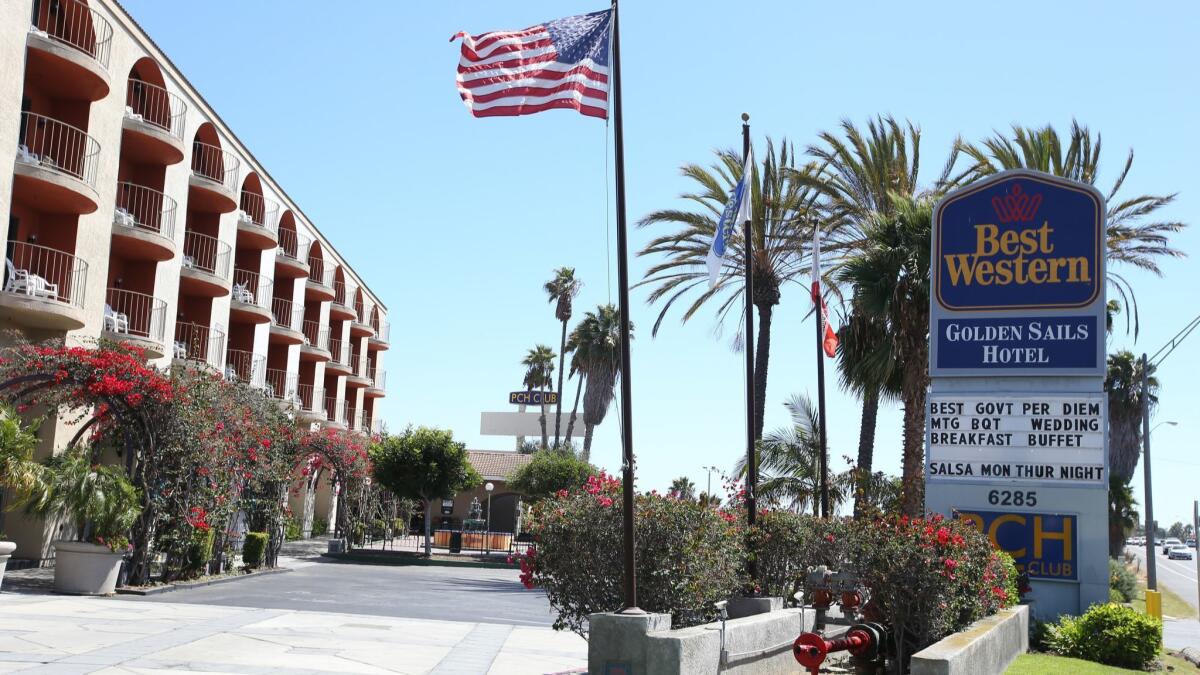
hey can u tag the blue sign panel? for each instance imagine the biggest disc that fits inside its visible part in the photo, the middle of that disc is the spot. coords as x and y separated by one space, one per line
1036 343
533 397
1022 242
1043 545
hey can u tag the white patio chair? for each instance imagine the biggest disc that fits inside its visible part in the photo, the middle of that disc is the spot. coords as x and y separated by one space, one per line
24 282
180 350
189 262
242 294
26 156
124 217
114 321
231 373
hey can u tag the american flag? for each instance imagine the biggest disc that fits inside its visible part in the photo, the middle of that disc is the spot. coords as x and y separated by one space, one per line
558 64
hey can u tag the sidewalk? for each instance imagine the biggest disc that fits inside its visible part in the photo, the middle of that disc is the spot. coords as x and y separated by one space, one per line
60 634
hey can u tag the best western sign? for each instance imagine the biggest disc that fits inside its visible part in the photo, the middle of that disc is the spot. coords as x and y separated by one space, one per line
533 397
1018 275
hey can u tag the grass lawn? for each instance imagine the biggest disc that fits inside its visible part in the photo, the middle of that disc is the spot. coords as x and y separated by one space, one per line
1172 604
1043 664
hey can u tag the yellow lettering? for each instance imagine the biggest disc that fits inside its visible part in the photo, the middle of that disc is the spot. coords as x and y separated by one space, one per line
1037 270
1044 232
1029 242
985 240
1010 242
1004 272
1055 264
983 272
1040 536
1077 269
1007 518
959 269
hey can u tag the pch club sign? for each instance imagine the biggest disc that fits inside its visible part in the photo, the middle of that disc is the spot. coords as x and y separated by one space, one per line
1018 274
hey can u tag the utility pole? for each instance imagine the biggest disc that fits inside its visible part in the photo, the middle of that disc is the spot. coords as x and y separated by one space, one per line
1196 538
1151 572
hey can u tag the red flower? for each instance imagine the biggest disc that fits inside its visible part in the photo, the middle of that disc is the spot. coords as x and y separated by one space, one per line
943 536
950 563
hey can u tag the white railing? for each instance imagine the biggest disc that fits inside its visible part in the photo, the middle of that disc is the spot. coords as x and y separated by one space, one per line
364 313
335 409
311 397
75 24
155 105
378 378
214 164
337 351
201 344
246 367
319 273
366 423
316 335
45 273
135 313
292 245
259 210
206 253
145 208
349 414
251 288
58 146
341 293
281 385
384 335
284 315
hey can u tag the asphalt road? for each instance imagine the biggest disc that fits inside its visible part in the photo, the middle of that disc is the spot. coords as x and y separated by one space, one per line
1177 575
442 593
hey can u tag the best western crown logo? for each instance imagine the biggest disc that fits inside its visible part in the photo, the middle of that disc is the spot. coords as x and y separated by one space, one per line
1018 242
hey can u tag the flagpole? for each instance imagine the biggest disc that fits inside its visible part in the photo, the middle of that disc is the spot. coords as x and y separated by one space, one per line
751 460
823 464
627 466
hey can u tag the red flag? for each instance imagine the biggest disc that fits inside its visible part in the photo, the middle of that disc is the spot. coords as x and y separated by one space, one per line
829 341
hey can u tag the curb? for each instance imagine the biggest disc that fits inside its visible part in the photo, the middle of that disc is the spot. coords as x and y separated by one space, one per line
399 561
186 585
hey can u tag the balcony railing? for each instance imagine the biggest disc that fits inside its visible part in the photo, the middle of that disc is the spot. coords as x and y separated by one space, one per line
364 312
251 288
349 414
319 272
58 146
311 398
246 367
282 385
146 209
316 335
366 423
337 352
135 313
291 245
45 273
335 409
75 24
284 315
155 105
384 335
259 210
206 253
378 378
201 344
214 164
342 293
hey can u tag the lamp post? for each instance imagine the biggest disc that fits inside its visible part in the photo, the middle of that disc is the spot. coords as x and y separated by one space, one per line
708 491
487 536
1151 563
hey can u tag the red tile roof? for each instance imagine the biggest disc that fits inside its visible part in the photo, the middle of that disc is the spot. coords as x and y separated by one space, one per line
497 464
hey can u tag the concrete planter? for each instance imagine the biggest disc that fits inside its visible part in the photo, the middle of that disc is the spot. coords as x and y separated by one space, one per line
6 551
987 646
85 569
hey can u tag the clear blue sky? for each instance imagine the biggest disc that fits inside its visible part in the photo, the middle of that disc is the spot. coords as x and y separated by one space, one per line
457 222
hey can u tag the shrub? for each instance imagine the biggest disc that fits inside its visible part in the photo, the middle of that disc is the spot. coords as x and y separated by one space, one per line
688 556
254 551
320 527
549 471
1112 634
292 530
1122 583
200 551
786 545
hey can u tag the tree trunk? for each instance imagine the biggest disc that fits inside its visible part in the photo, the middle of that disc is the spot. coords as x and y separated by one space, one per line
428 527
575 408
542 419
866 449
562 355
587 440
762 356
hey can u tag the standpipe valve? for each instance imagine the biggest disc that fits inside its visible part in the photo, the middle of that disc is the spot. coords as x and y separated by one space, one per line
862 641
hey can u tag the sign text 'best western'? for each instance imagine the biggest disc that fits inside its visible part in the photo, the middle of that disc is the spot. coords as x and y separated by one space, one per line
1052 439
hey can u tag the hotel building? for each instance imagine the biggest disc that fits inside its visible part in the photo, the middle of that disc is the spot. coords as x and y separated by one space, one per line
136 214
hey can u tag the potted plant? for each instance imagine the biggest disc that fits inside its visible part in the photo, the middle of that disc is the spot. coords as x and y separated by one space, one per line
18 471
102 505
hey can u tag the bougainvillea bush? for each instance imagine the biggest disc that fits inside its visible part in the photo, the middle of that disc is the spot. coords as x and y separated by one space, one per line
688 556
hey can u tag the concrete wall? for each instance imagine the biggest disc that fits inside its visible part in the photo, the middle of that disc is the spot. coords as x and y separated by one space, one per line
987 646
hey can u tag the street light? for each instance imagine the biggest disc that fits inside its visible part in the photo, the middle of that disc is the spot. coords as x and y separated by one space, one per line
708 492
487 536
1167 422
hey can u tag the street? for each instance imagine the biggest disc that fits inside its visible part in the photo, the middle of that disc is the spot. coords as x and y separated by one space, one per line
1177 575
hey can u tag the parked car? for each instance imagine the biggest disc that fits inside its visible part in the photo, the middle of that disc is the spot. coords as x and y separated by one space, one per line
1179 553
1190 543
1169 543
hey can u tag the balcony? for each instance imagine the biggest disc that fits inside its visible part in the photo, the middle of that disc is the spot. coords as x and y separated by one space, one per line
340 309
283 387
251 297
43 287
152 130
378 386
199 345
205 269
382 338
319 287
349 415
289 260
69 44
335 412
56 166
312 403
287 323
143 223
246 368
136 318
359 325
339 358
316 342
212 187
258 222
366 423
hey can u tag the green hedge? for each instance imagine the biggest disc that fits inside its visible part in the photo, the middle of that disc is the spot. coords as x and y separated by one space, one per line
199 552
1112 634
1121 581
255 549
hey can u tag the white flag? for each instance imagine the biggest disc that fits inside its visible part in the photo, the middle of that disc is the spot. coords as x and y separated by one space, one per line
737 212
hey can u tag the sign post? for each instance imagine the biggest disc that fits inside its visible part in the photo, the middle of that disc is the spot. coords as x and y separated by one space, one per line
1017 424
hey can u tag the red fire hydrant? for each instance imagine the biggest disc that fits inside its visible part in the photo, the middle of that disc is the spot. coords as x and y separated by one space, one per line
862 641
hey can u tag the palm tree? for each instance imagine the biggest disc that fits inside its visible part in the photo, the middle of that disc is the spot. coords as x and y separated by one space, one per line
1122 516
1130 240
539 374
596 342
19 471
780 222
1124 386
578 390
889 272
562 290
789 461
683 489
